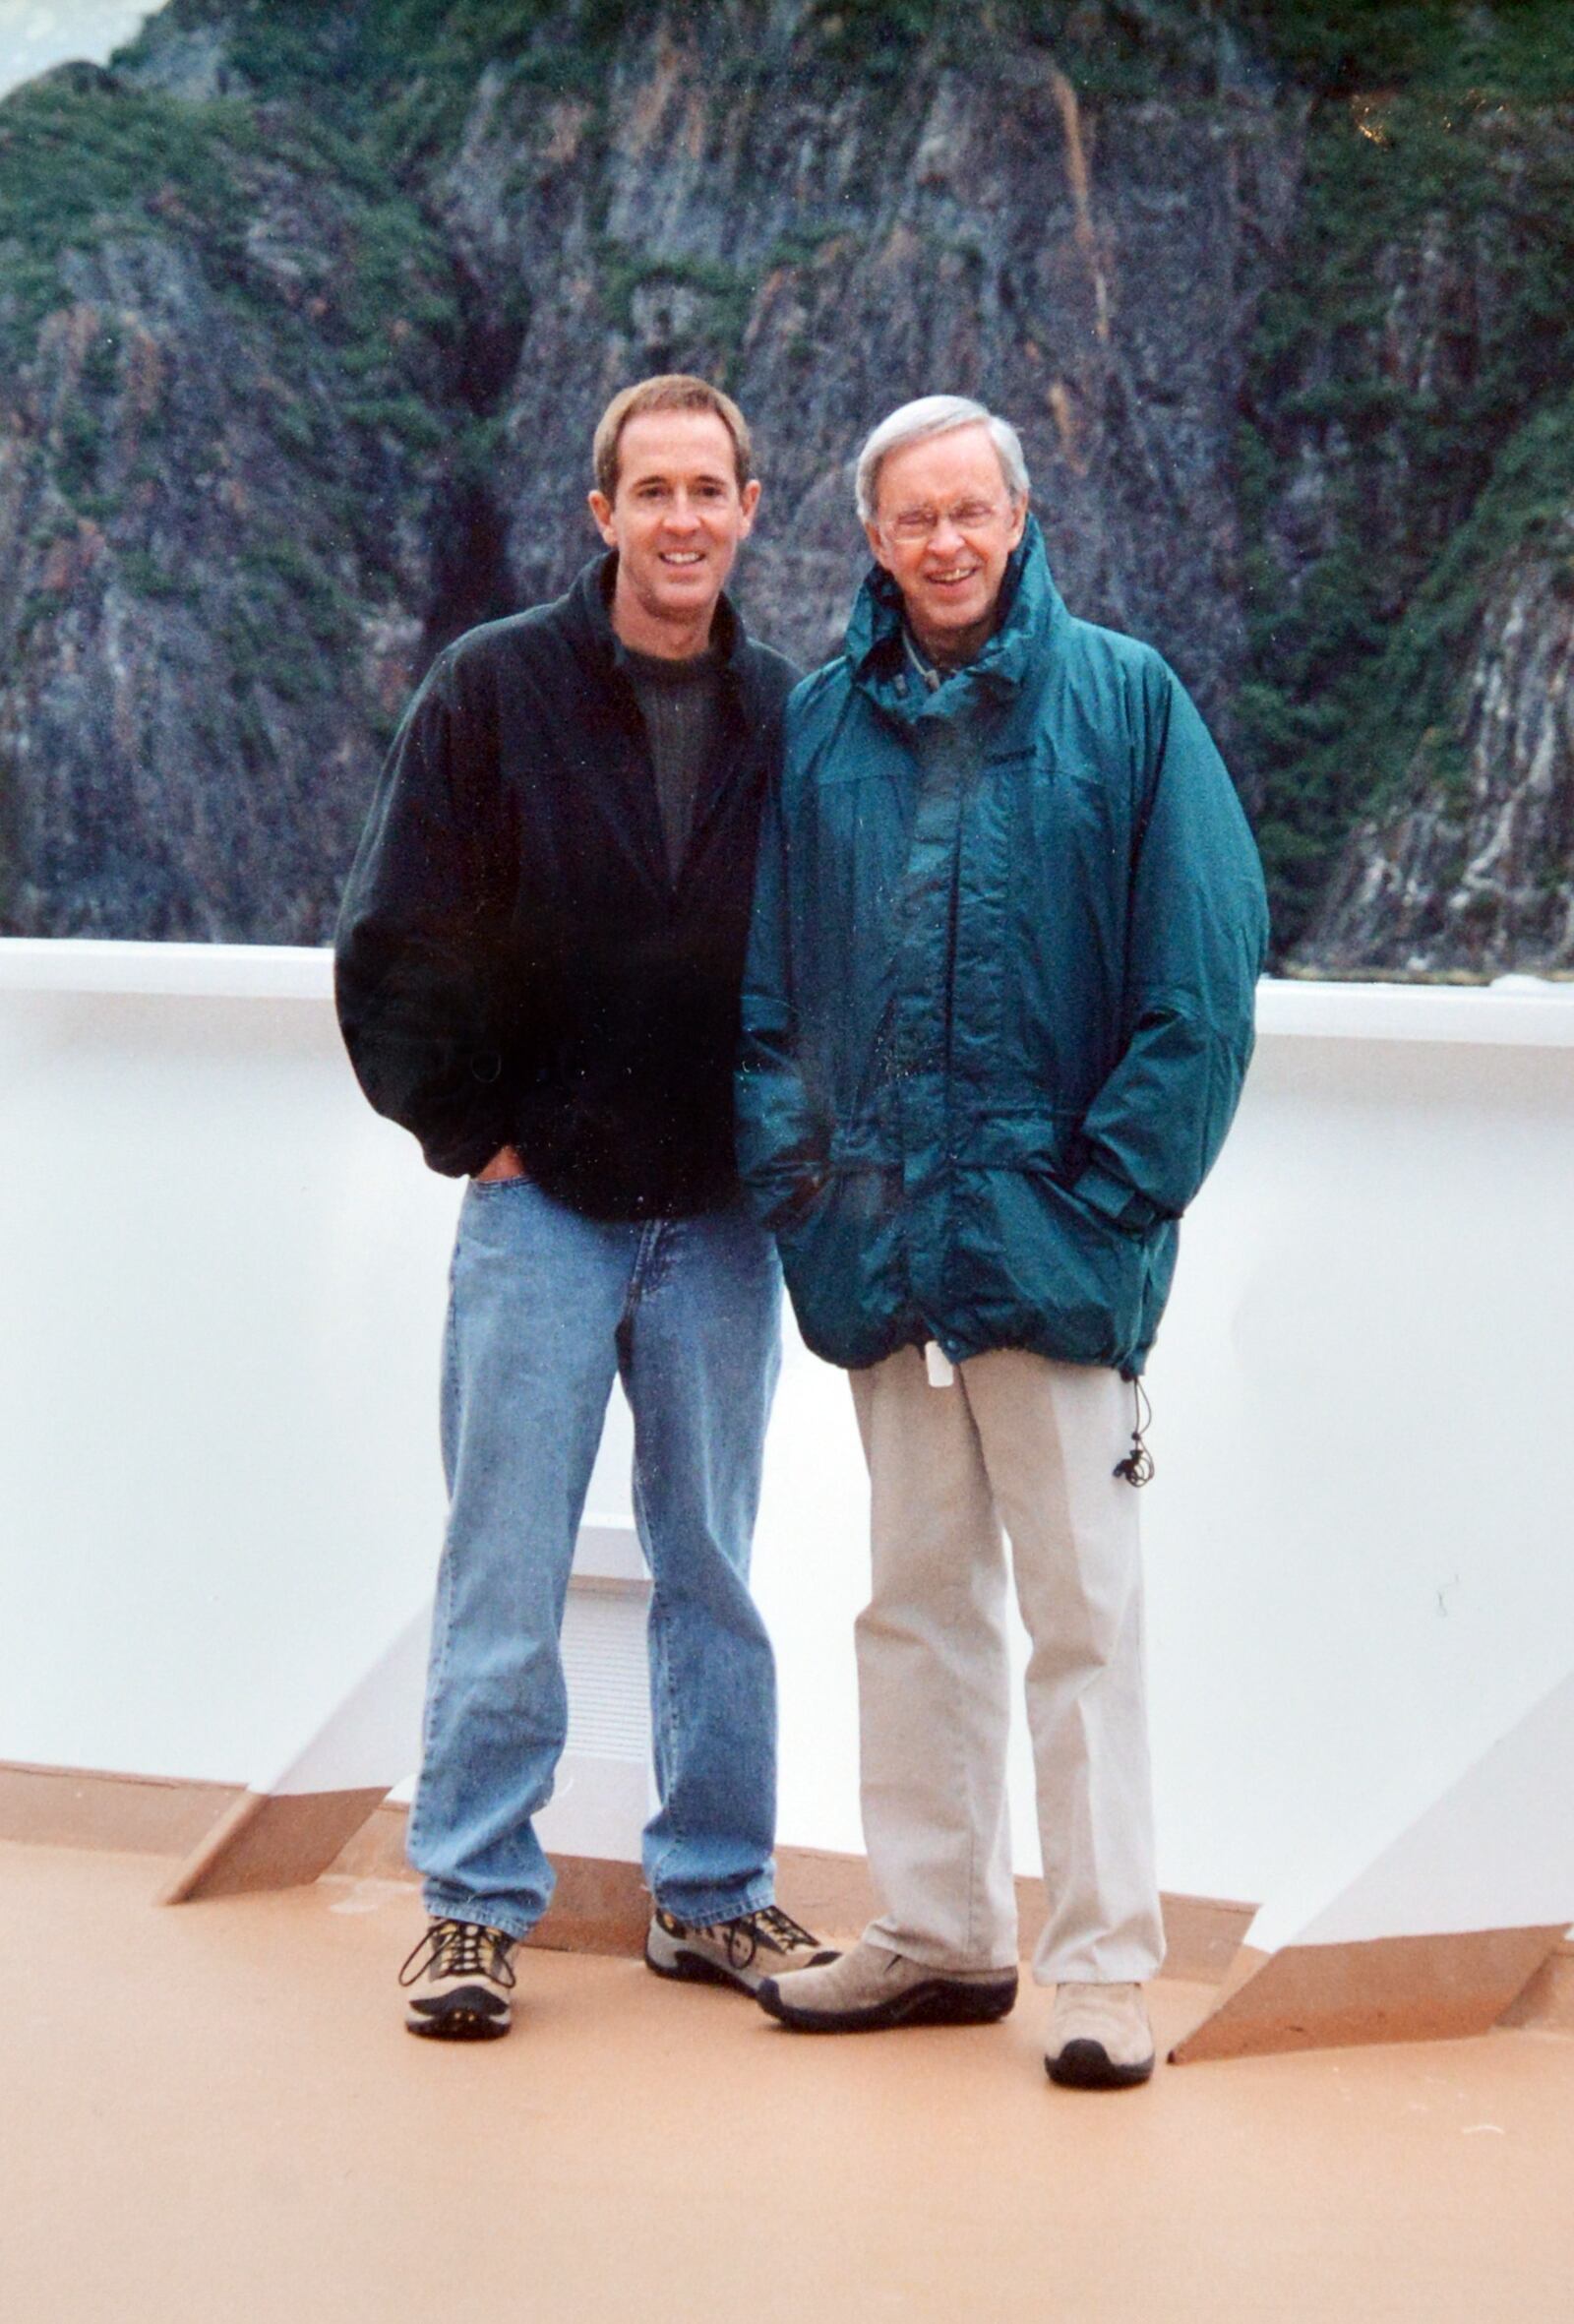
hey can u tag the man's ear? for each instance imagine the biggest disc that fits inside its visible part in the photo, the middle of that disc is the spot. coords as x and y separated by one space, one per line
749 501
601 512
872 534
1021 519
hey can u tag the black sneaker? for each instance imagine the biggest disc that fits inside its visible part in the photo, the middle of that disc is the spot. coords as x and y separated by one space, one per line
466 1978
741 1953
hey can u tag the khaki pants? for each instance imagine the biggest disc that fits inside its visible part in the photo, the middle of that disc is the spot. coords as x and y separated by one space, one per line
1018 1442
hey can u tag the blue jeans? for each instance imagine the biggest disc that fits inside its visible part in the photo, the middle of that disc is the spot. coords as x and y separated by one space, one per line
545 1306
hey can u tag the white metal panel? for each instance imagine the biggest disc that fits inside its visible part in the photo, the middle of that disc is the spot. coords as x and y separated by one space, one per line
224 1290
1492 1848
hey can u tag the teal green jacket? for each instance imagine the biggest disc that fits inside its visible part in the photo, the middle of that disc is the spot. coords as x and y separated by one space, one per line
998 1006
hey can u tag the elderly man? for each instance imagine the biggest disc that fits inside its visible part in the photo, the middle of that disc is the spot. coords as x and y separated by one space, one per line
1008 924
539 957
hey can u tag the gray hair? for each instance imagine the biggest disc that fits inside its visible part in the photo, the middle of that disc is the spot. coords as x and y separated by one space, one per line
936 415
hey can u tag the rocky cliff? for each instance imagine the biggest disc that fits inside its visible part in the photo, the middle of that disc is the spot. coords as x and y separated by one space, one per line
1472 873
309 312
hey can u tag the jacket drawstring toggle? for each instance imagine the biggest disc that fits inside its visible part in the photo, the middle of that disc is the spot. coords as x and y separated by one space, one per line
1137 1466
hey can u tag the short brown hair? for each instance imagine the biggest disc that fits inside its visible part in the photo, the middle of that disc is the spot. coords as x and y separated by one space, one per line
669 390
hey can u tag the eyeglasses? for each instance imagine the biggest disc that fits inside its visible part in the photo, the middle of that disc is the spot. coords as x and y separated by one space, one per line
971 516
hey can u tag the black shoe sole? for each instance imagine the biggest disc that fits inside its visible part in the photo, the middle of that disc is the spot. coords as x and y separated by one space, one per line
459 2021
1084 2065
937 2002
692 1969
461 2025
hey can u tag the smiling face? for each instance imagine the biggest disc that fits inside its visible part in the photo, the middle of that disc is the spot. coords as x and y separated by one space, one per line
945 524
676 520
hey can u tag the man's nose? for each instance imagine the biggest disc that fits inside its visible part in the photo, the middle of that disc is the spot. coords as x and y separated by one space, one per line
681 514
946 537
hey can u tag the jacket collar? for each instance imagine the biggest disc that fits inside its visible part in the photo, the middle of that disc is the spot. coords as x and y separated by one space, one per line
1032 617
588 605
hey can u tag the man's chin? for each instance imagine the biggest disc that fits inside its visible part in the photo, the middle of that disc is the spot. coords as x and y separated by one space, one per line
683 592
951 617
956 635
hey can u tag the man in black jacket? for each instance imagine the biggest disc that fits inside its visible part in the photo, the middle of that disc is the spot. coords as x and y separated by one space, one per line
538 967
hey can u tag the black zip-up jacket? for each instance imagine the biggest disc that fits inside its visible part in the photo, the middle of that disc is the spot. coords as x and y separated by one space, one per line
514 965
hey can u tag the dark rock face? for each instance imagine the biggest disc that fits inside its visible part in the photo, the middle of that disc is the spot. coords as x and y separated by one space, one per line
975 233
189 736
1473 875
1410 457
213 579
313 322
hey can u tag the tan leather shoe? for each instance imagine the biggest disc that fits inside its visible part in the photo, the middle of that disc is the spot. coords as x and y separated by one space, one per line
1100 2038
870 1987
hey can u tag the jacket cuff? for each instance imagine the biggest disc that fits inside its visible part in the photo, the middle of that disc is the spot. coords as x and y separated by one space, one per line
1114 1199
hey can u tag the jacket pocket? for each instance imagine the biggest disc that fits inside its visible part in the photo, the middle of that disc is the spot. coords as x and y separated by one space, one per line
1045 1269
843 1256
1037 1138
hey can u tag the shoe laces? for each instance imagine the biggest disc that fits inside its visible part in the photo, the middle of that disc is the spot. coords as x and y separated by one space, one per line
782 1930
741 1937
457 1948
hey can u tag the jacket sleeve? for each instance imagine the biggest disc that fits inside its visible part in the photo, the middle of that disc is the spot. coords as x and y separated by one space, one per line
780 1141
1197 940
416 947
